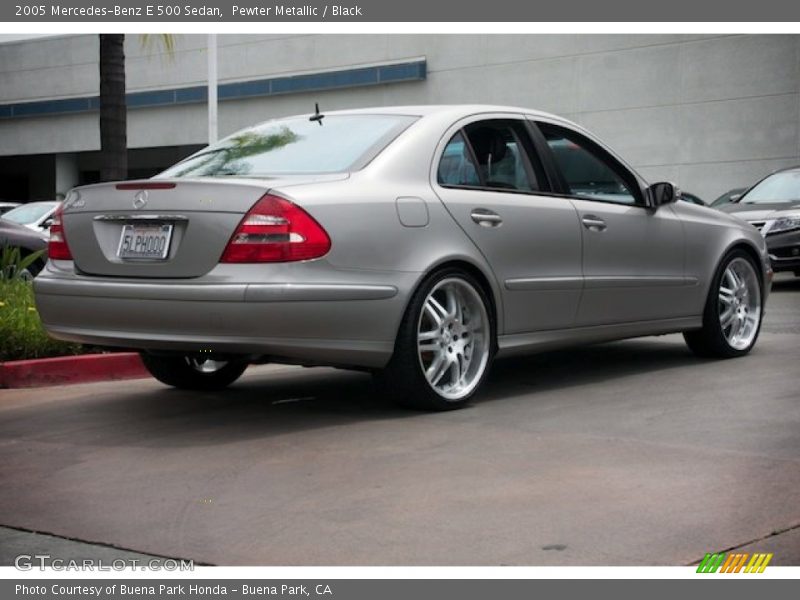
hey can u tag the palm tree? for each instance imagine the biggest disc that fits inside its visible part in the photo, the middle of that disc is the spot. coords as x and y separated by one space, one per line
113 109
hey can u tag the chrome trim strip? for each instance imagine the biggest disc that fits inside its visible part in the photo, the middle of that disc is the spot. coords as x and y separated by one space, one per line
544 283
300 292
138 217
572 283
638 281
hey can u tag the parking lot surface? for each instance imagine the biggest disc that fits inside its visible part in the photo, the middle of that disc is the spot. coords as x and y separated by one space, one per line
630 453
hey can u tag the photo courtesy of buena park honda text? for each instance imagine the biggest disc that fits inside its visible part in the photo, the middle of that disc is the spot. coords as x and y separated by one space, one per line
399 300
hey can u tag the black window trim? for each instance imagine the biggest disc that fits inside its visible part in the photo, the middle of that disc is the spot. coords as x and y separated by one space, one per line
558 177
528 147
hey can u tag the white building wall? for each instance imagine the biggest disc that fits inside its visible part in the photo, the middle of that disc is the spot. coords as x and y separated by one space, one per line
709 112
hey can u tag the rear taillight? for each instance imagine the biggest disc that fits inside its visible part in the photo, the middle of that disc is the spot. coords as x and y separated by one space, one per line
275 230
58 248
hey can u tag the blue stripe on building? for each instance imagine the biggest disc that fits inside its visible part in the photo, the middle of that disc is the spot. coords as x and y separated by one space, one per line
295 84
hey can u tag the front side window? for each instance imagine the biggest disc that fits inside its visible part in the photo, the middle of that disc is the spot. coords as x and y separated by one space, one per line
586 172
294 146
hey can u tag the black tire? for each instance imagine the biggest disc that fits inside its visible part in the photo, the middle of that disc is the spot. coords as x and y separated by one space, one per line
403 379
35 268
178 372
710 341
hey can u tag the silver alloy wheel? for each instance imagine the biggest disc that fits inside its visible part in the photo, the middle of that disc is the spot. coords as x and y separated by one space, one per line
204 365
453 338
739 304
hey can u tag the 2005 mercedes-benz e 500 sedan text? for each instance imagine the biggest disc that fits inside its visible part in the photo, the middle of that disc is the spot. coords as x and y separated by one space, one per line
416 242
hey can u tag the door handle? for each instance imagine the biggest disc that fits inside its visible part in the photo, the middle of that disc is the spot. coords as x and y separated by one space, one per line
486 218
594 223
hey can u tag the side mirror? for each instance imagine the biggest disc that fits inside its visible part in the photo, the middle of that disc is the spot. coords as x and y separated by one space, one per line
663 192
47 223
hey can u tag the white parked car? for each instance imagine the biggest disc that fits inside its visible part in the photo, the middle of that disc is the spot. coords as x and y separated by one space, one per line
34 215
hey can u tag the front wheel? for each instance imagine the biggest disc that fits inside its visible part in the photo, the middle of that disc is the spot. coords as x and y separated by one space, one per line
733 311
445 344
192 373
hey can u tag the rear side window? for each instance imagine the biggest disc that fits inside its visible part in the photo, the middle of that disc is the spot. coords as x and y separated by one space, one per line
587 171
457 166
293 146
489 154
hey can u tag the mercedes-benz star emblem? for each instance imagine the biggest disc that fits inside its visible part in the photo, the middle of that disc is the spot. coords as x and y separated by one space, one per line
140 199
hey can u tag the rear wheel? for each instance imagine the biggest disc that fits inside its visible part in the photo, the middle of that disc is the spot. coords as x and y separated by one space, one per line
444 346
732 316
193 373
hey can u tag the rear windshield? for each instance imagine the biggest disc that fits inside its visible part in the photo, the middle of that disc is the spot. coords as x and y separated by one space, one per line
332 145
781 188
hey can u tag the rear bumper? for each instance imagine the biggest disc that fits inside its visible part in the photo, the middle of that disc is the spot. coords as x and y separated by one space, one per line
346 323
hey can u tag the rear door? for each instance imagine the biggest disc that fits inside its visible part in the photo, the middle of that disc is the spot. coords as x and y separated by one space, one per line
633 255
490 180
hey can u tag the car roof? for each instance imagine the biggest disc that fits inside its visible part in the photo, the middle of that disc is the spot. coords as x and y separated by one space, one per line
456 111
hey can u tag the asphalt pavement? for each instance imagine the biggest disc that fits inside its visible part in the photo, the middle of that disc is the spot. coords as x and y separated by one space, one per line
629 453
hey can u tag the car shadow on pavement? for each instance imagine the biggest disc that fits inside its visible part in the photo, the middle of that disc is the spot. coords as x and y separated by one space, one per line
271 403
577 367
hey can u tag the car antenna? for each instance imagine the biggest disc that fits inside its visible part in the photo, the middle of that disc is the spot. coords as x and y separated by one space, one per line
317 116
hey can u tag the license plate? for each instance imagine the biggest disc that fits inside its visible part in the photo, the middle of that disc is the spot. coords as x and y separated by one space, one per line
145 241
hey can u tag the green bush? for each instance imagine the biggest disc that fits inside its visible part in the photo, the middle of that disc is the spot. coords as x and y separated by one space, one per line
14 265
21 333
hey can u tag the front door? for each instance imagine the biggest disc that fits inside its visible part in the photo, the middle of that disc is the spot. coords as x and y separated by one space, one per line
632 254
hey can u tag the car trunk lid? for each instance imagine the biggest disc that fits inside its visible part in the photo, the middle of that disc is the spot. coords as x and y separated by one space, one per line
161 228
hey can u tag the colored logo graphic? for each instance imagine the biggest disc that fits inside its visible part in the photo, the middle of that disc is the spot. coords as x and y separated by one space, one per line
734 563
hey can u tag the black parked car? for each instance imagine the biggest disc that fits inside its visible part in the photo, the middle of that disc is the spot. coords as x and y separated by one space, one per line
773 207
27 240
687 197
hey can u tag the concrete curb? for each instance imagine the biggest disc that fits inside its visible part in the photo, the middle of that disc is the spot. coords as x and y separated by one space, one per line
65 370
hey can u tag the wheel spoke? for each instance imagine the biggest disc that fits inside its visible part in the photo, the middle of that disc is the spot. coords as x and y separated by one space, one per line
456 372
433 334
726 318
436 311
452 303
726 296
731 277
437 369
429 346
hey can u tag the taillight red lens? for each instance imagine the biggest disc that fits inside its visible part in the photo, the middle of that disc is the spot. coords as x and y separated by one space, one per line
276 230
58 248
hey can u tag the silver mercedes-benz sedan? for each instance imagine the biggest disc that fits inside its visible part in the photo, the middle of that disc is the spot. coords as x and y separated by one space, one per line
415 242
